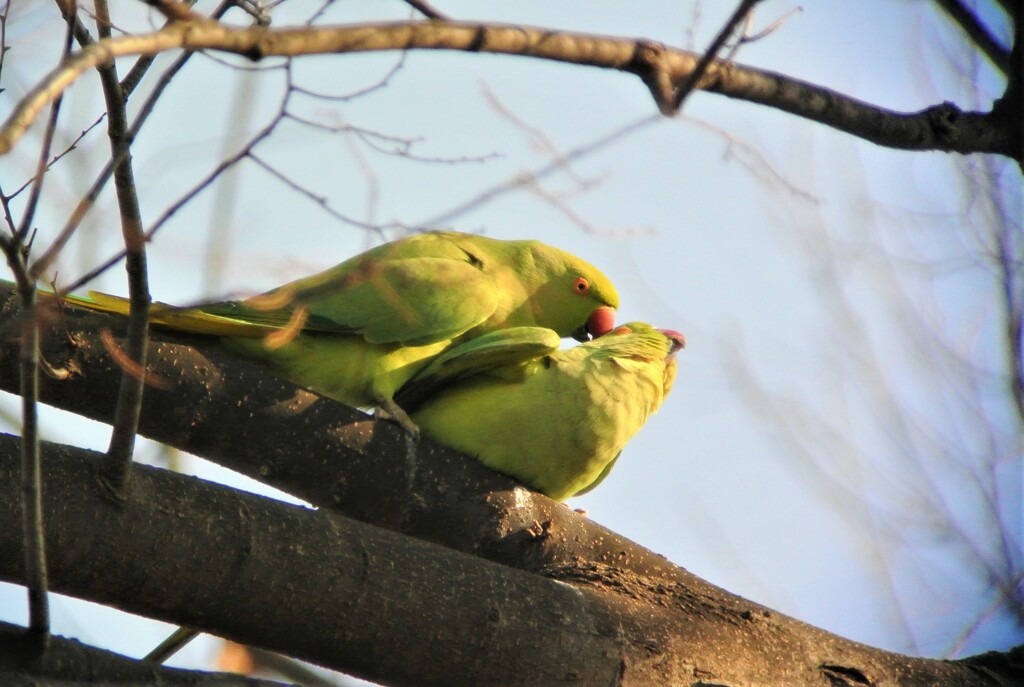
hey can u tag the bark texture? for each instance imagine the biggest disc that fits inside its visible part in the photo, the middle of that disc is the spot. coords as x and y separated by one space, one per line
604 610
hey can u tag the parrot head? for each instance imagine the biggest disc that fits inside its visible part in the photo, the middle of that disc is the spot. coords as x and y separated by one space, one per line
678 341
547 287
667 341
639 340
589 302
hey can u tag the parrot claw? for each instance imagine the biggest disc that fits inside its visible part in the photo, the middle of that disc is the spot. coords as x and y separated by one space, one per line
387 409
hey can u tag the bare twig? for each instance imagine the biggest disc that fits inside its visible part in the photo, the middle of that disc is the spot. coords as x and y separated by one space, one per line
173 10
57 158
16 250
582 223
1010 265
978 33
43 263
387 144
382 83
117 467
520 181
751 158
173 209
538 136
747 37
686 86
142 65
322 201
426 9
44 154
33 531
175 642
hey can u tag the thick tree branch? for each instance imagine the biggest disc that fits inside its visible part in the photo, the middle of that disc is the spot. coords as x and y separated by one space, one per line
230 412
941 127
396 609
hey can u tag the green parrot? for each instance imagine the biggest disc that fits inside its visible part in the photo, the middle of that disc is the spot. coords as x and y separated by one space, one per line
358 331
555 420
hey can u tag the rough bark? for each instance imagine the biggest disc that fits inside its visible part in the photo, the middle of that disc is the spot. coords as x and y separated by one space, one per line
361 599
206 402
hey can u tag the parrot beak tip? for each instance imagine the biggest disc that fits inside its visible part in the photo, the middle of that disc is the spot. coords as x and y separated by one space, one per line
600 322
677 339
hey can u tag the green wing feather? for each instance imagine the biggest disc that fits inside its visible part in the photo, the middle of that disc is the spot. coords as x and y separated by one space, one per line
411 301
559 422
503 353
359 331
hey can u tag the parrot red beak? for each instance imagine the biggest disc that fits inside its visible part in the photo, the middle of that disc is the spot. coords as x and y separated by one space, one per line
600 322
678 340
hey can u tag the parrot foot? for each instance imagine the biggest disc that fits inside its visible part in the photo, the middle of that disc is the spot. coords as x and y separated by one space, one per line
387 409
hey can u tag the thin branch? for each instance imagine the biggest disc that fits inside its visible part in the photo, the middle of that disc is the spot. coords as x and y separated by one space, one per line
16 251
174 643
941 127
979 34
684 88
1010 265
69 662
746 37
387 144
71 147
520 181
43 263
31 469
116 469
173 209
322 201
33 531
142 65
383 82
426 9
37 183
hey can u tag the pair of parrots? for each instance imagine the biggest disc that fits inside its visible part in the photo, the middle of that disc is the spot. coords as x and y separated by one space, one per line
457 335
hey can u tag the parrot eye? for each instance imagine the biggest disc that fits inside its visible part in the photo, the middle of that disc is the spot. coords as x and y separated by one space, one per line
581 285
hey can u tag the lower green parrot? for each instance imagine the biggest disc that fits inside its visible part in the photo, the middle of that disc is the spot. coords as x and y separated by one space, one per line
358 331
555 420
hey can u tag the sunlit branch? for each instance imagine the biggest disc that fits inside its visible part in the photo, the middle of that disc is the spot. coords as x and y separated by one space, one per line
941 127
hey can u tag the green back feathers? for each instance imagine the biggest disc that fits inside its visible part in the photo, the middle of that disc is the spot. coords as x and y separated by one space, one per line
360 330
554 419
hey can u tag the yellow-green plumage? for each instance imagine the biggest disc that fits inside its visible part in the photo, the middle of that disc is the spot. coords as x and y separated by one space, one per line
358 331
554 419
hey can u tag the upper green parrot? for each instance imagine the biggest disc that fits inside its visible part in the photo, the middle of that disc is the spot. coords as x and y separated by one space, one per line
358 331
555 420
